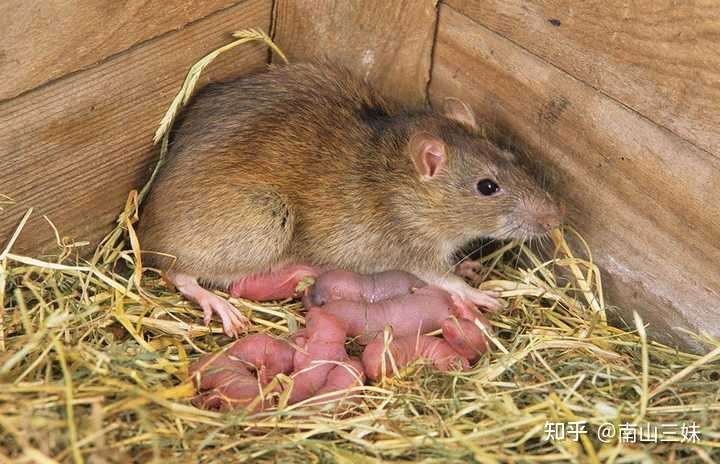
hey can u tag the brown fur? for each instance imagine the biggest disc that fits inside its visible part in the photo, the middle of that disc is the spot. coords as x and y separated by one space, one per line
306 163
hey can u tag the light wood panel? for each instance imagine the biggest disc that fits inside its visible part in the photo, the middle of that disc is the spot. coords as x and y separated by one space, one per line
659 57
75 148
645 199
388 43
44 40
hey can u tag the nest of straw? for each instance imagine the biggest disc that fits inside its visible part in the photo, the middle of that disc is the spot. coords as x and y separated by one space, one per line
94 357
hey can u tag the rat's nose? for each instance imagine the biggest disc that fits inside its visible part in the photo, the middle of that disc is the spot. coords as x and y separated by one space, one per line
549 220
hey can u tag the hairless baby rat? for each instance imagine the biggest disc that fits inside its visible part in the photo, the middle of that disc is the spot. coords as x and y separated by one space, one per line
306 165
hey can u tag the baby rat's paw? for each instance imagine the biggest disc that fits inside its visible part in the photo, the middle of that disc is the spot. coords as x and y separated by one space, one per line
466 338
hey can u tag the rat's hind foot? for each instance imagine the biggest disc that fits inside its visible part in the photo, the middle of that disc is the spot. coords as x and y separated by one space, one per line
469 269
278 284
232 319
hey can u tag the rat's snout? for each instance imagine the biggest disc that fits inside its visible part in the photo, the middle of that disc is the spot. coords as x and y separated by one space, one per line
549 221
545 217
551 214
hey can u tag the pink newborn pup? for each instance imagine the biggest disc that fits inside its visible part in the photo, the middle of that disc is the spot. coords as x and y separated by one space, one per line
459 346
235 376
367 304
321 364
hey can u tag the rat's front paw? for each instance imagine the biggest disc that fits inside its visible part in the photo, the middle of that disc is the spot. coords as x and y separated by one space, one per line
484 298
469 269
464 295
233 320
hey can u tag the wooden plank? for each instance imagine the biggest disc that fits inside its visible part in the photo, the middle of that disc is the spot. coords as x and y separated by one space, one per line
42 41
388 43
75 148
644 198
659 57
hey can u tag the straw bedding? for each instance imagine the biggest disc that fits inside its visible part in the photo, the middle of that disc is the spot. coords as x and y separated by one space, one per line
94 357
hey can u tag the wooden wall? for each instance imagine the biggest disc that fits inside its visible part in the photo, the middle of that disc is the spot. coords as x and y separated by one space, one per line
620 97
84 86
387 42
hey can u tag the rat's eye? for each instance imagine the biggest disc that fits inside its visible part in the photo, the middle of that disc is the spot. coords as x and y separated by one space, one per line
488 187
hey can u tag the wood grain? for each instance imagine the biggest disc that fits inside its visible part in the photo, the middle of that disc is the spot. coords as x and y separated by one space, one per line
41 41
644 198
658 57
75 148
388 43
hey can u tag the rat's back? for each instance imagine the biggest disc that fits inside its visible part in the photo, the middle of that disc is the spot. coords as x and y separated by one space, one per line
245 159
291 105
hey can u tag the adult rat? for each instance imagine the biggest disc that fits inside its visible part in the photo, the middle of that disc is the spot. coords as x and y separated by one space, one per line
306 165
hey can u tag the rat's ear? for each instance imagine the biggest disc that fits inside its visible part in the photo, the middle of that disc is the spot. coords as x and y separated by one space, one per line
458 110
428 153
